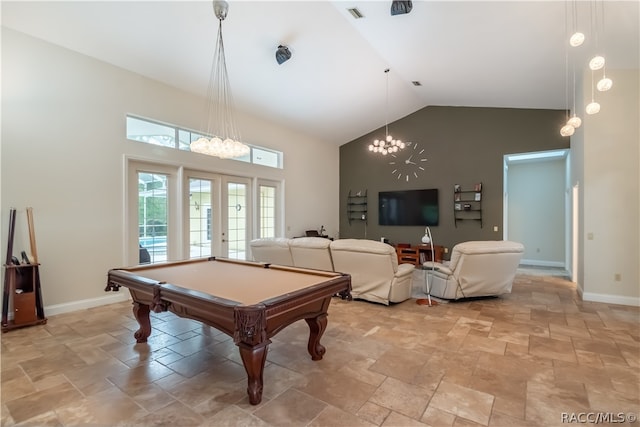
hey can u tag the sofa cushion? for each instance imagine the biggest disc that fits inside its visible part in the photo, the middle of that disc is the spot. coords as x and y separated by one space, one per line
311 252
366 246
483 247
273 250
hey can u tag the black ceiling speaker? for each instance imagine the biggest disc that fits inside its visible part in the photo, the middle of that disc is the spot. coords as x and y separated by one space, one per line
401 7
282 54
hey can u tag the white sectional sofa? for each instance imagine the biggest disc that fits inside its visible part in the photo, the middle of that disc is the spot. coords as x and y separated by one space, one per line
273 251
373 266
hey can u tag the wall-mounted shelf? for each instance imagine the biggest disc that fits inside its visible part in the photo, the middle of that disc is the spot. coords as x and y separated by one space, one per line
467 204
357 206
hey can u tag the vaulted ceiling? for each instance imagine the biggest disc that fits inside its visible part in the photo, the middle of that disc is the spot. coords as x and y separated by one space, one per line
477 53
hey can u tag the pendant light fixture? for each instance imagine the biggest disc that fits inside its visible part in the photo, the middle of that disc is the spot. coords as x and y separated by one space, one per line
574 122
577 38
567 129
593 107
225 142
388 144
598 62
605 83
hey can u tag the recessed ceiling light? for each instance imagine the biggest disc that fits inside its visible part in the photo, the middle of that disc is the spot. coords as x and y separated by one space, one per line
355 13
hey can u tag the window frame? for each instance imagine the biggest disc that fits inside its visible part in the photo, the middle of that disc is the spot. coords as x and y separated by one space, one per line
252 157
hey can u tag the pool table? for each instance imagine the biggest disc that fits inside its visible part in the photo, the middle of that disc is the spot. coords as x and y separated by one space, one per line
248 301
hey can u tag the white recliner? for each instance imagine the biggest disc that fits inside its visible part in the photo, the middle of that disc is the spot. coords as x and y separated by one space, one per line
475 269
373 266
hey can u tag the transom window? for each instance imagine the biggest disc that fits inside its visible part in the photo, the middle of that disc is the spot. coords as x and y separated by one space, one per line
171 136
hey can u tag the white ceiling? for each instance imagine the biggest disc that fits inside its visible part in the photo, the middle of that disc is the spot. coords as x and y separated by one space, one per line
474 53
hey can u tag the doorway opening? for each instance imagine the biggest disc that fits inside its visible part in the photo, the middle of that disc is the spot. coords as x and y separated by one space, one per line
538 204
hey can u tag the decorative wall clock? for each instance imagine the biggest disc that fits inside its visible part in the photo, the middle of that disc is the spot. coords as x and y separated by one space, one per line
408 163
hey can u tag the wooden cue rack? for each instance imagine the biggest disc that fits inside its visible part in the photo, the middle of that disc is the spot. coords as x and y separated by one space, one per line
22 292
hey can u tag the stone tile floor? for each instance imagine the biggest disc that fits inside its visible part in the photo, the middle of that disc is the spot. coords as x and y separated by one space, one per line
523 359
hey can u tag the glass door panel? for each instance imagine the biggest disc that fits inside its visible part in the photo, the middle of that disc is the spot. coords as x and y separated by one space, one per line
153 209
267 206
236 223
200 218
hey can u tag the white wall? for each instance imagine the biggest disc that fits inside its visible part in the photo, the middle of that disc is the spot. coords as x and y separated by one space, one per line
63 150
607 162
536 210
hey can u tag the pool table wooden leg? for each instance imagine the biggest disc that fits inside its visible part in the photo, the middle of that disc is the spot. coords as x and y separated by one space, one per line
317 325
253 359
141 312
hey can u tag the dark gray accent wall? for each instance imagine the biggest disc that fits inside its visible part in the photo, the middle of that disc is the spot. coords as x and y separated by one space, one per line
463 145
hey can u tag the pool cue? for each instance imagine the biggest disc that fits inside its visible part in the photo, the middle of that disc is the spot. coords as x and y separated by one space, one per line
32 236
7 285
34 254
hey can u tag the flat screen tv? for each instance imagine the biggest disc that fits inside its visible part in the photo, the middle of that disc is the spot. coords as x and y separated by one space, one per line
409 207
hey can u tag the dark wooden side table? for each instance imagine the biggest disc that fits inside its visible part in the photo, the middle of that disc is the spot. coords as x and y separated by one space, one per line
418 254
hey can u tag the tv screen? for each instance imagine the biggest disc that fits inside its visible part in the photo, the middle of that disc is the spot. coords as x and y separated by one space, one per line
410 207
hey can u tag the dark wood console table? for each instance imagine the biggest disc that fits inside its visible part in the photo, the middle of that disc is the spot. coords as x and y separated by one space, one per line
418 254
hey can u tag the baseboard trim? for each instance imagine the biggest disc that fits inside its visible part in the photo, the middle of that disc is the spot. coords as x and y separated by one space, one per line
611 299
69 307
539 263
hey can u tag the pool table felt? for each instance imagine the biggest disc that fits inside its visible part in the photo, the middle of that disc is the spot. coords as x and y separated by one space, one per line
245 284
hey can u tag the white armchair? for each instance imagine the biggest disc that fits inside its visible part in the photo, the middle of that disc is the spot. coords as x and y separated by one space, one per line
311 252
373 266
273 251
477 268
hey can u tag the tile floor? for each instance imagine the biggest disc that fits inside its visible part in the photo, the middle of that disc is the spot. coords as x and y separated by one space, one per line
523 359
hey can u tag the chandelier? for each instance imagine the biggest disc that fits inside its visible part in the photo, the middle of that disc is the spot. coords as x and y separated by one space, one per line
388 144
225 142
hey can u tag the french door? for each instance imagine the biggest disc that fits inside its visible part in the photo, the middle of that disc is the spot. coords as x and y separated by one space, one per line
176 214
236 218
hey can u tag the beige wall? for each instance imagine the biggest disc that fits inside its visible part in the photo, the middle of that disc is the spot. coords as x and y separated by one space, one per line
609 146
63 151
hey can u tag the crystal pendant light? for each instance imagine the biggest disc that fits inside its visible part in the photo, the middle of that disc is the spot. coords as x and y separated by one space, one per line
220 122
575 121
593 108
596 62
388 144
567 130
576 39
605 83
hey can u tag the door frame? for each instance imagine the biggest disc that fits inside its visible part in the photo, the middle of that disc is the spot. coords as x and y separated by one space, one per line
542 156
